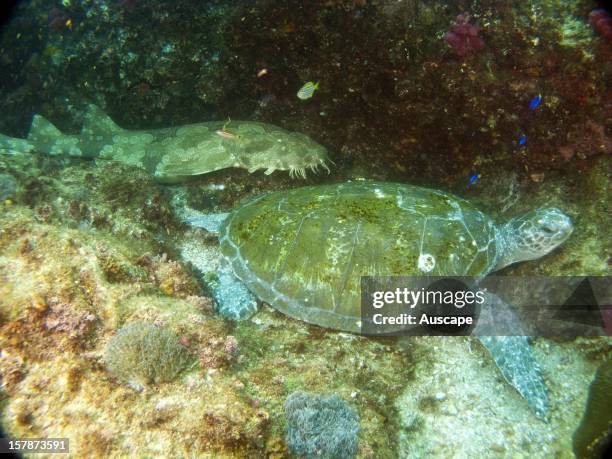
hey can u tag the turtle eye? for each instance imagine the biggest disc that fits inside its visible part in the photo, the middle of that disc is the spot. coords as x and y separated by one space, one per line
548 230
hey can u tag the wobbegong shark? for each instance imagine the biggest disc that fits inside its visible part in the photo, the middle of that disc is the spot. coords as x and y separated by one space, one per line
176 153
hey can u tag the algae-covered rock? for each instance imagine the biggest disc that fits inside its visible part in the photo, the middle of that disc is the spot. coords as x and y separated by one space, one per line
594 434
142 353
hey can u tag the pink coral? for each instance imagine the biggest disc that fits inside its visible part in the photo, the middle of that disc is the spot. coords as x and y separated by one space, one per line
64 318
601 21
231 345
463 36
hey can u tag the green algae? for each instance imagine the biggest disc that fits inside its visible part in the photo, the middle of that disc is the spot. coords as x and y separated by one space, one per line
141 353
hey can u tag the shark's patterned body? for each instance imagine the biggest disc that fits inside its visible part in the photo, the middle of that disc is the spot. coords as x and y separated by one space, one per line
172 154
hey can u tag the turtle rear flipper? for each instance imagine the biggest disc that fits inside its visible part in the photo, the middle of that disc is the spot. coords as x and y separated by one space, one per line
210 222
234 300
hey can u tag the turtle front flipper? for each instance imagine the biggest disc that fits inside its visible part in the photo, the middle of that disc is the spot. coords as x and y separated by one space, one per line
514 358
234 300
512 352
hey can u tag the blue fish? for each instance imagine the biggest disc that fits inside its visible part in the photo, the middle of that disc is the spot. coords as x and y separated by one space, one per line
534 103
523 139
473 178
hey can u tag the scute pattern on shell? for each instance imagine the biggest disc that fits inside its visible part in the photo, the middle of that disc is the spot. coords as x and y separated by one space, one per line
304 251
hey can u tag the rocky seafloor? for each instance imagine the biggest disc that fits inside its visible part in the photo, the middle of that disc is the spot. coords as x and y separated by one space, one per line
87 248
79 262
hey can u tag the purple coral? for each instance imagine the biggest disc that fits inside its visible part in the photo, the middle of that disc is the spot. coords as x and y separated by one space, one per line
463 36
601 21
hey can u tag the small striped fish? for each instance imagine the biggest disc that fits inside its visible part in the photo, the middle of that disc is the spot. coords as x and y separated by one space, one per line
226 135
307 90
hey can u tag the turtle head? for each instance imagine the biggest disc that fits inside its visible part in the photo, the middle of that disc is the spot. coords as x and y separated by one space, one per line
533 235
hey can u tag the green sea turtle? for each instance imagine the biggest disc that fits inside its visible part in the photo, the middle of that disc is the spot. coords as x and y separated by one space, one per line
303 252
174 154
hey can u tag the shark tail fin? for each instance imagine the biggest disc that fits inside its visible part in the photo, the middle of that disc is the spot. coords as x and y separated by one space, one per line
12 146
96 122
42 131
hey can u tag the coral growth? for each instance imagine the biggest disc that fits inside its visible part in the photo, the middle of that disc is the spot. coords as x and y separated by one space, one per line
61 317
12 371
142 353
173 278
218 352
321 426
601 21
463 37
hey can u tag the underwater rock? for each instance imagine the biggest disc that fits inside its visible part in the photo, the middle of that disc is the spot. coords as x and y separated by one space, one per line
479 415
12 371
320 426
594 435
174 280
586 140
58 19
61 317
218 352
142 353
